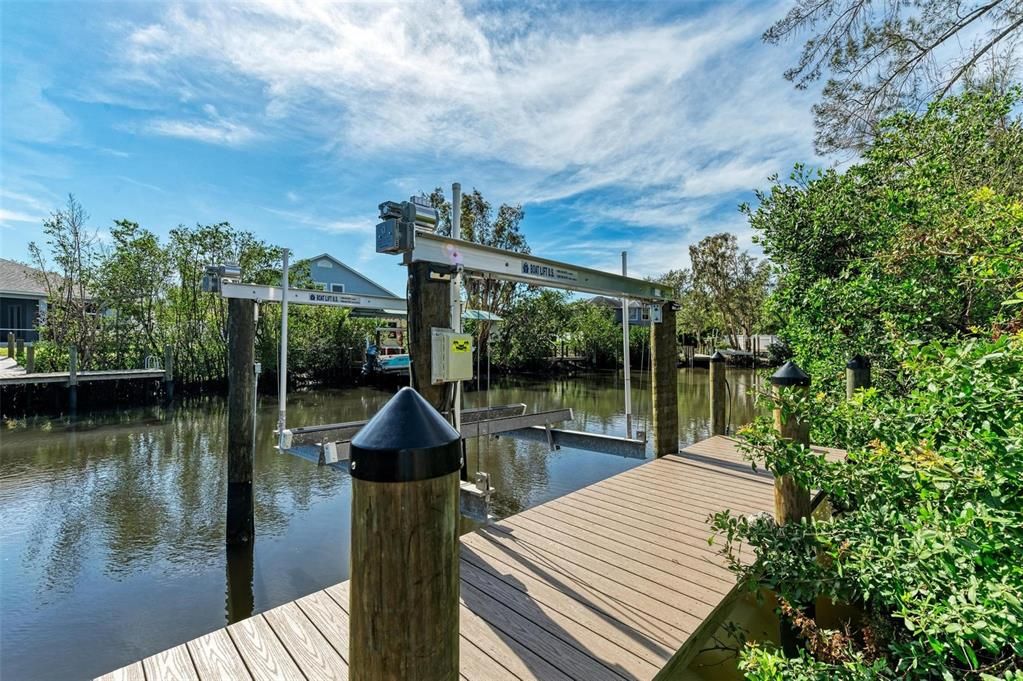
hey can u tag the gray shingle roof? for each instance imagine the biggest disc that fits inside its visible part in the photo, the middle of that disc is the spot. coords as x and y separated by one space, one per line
21 279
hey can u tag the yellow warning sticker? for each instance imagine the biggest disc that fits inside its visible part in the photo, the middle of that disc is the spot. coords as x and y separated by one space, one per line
460 345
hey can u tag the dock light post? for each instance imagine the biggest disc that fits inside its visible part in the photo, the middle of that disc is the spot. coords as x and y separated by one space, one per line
857 375
718 395
404 571
791 502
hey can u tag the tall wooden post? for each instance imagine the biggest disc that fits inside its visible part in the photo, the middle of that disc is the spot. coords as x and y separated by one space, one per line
241 352
791 502
168 372
857 375
30 358
718 395
72 380
404 559
429 307
10 344
19 348
664 378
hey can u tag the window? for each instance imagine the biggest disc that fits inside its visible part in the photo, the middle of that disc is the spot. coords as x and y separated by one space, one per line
320 285
324 263
337 288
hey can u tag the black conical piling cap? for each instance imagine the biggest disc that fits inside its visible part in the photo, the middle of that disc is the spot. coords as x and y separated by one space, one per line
790 374
717 357
858 362
407 440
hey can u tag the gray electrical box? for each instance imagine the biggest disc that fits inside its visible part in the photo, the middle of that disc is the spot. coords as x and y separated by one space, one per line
394 236
451 356
655 313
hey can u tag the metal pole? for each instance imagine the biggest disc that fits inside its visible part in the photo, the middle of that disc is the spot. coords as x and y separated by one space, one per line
282 368
456 295
625 352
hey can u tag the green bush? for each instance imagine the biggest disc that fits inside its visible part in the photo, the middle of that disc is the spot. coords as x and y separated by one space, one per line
926 535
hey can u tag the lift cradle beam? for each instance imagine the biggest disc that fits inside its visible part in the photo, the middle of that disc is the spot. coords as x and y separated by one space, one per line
275 294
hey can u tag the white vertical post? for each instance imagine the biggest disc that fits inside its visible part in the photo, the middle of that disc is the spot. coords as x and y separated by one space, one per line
282 367
456 294
625 352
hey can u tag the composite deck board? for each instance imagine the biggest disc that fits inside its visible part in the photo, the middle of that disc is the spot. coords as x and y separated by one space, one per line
697 565
609 582
263 653
133 672
174 664
216 657
311 651
563 549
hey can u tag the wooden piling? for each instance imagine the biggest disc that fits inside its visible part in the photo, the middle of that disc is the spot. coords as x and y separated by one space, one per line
404 592
664 378
168 372
19 348
72 380
10 344
718 395
857 375
791 502
241 336
430 308
30 358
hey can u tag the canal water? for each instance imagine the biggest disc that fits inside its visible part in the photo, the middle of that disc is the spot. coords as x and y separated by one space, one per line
111 527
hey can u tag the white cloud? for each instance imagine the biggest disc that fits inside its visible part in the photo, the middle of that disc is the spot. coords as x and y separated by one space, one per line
28 113
676 113
217 131
17 216
621 103
350 226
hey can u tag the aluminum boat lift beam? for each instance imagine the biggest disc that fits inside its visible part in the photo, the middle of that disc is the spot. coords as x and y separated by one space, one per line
386 306
485 261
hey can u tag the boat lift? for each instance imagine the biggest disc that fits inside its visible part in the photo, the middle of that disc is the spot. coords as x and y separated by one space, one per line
408 229
328 444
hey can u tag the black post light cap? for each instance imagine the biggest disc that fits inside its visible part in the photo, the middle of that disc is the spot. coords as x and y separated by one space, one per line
717 357
858 362
790 374
407 441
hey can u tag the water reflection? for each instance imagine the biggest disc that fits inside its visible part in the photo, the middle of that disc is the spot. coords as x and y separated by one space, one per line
240 598
113 525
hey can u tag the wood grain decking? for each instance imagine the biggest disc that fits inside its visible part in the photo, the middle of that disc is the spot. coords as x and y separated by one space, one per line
609 582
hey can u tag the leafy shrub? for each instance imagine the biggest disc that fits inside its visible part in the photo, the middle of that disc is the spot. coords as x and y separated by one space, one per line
926 529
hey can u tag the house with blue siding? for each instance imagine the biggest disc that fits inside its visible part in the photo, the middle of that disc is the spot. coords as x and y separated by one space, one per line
330 274
23 298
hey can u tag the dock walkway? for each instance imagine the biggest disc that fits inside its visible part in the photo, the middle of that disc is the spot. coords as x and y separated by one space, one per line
64 377
614 581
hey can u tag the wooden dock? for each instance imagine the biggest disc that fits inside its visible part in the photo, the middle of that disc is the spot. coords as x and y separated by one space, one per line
614 581
64 377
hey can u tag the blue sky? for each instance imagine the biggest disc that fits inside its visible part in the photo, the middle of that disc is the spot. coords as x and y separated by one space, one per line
636 126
